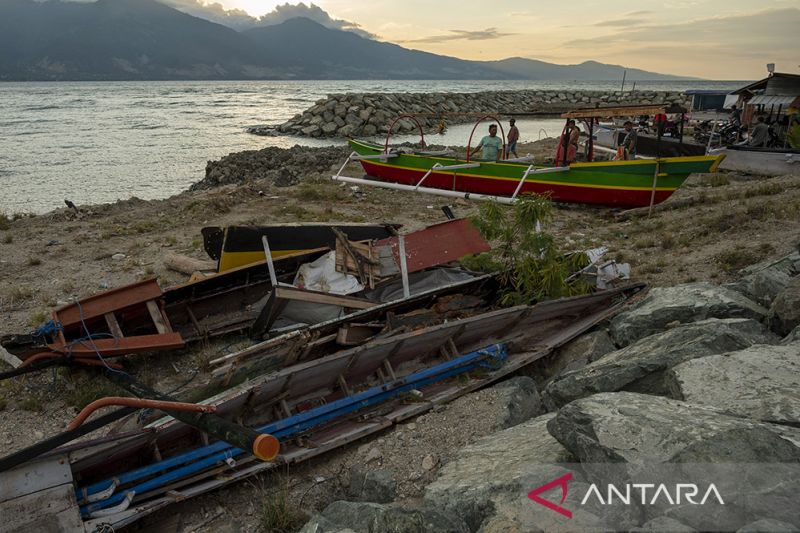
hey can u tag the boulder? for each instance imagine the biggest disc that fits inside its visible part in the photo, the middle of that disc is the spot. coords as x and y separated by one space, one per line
637 436
682 303
640 367
311 131
760 382
520 401
329 128
364 517
762 286
576 354
792 337
366 485
663 524
642 429
768 525
784 315
496 468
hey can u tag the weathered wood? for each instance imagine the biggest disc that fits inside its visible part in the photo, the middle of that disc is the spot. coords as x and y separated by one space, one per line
293 293
666 206
272 309
353 334
158 319
10 359
34 478
52 510
113 325
188 265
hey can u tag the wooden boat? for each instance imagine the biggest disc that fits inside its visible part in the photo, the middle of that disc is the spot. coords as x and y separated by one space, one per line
236 246
609 183
649 145
764 161
312 407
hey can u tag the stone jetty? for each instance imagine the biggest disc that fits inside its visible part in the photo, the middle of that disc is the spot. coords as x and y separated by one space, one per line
344 115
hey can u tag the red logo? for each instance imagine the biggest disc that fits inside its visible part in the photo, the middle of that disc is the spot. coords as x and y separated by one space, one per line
558 482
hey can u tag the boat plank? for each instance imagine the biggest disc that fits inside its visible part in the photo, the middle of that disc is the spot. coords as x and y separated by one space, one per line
52 510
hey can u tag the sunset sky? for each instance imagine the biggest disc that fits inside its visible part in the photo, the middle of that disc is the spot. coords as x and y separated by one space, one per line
715 39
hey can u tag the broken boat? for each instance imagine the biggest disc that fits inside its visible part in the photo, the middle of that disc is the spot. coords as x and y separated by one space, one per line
311 407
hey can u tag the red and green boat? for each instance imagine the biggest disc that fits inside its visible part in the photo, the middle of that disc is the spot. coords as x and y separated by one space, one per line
630 183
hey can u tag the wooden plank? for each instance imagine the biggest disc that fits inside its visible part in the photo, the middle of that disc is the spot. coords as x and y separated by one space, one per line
33 477
113 325
51 510
112 300
616 111
293 293
267 316
10 359
155 314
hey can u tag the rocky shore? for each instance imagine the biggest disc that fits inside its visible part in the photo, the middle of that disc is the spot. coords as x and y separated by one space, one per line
343 115
694 373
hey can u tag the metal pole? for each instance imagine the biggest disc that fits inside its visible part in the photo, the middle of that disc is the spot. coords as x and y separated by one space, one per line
624 72
660 129
590 157
404 266
272 277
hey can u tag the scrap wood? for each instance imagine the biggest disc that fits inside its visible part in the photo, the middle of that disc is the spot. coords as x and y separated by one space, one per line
188 265
665 206
325 298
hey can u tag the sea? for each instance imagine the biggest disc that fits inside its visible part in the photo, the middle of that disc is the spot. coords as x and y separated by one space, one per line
98 142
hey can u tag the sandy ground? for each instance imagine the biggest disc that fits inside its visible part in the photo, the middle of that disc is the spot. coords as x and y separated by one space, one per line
47 260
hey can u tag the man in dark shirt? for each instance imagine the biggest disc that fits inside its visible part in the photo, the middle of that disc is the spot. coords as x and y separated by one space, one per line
760 134
629 141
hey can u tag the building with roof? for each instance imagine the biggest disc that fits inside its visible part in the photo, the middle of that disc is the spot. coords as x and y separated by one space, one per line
771 97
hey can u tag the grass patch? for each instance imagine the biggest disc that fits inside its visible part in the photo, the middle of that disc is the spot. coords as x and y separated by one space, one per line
646 242
277 513
19 293
317 191
716 180
34 261
733 260
5 222
3 404
38 318
31 402
8 238
667 241
298 213
83 390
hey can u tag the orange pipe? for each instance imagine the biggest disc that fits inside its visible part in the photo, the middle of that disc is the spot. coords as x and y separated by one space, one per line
82 360
139 403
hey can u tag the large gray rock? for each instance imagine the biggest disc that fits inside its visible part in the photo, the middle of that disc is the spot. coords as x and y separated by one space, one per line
363 517
784 315
762 286
520 401
371 485
639 428
761 382
640 367
663 524
792 337
683 303
576 354
768 525
626 435
496 470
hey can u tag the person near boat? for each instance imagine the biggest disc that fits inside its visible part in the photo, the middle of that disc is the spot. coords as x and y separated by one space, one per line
760 134
512 137
491 145
569 137
627 149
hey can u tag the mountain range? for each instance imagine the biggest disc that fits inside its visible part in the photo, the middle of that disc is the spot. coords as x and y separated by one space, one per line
148 40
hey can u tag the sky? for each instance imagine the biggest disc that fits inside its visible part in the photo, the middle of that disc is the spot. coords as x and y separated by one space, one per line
712 39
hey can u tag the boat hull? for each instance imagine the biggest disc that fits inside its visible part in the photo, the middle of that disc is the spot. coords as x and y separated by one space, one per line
760 161
613 183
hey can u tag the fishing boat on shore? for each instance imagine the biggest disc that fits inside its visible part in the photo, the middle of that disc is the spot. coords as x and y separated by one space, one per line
632 183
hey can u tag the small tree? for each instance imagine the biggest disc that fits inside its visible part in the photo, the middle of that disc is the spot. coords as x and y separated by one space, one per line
531 266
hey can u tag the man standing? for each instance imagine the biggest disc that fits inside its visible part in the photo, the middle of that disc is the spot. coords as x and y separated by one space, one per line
513 137
629 141
491 144
760 134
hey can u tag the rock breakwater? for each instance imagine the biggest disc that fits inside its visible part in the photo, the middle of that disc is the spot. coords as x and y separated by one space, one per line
343 115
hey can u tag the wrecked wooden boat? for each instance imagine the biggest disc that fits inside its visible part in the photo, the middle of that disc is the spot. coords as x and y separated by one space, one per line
235 246
312 406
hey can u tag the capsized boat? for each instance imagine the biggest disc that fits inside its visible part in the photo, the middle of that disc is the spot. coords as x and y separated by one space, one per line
764 161
635 183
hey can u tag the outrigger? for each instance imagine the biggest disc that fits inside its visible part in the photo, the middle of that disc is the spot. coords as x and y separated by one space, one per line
634 183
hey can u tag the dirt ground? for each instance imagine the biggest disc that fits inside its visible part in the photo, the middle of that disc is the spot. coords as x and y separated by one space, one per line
47 260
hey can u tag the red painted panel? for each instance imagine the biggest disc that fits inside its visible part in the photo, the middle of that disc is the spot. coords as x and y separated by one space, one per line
438 244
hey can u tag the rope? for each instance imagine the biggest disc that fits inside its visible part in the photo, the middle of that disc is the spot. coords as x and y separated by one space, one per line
90 338
49 328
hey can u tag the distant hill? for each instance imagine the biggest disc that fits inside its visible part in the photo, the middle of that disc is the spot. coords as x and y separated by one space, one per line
532 69
147 40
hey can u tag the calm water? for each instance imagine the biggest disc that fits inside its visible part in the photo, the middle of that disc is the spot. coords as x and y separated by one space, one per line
99 142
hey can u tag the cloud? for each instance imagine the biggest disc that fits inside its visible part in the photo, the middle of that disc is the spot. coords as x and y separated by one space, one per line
241 20
462 35
288 11
621 22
